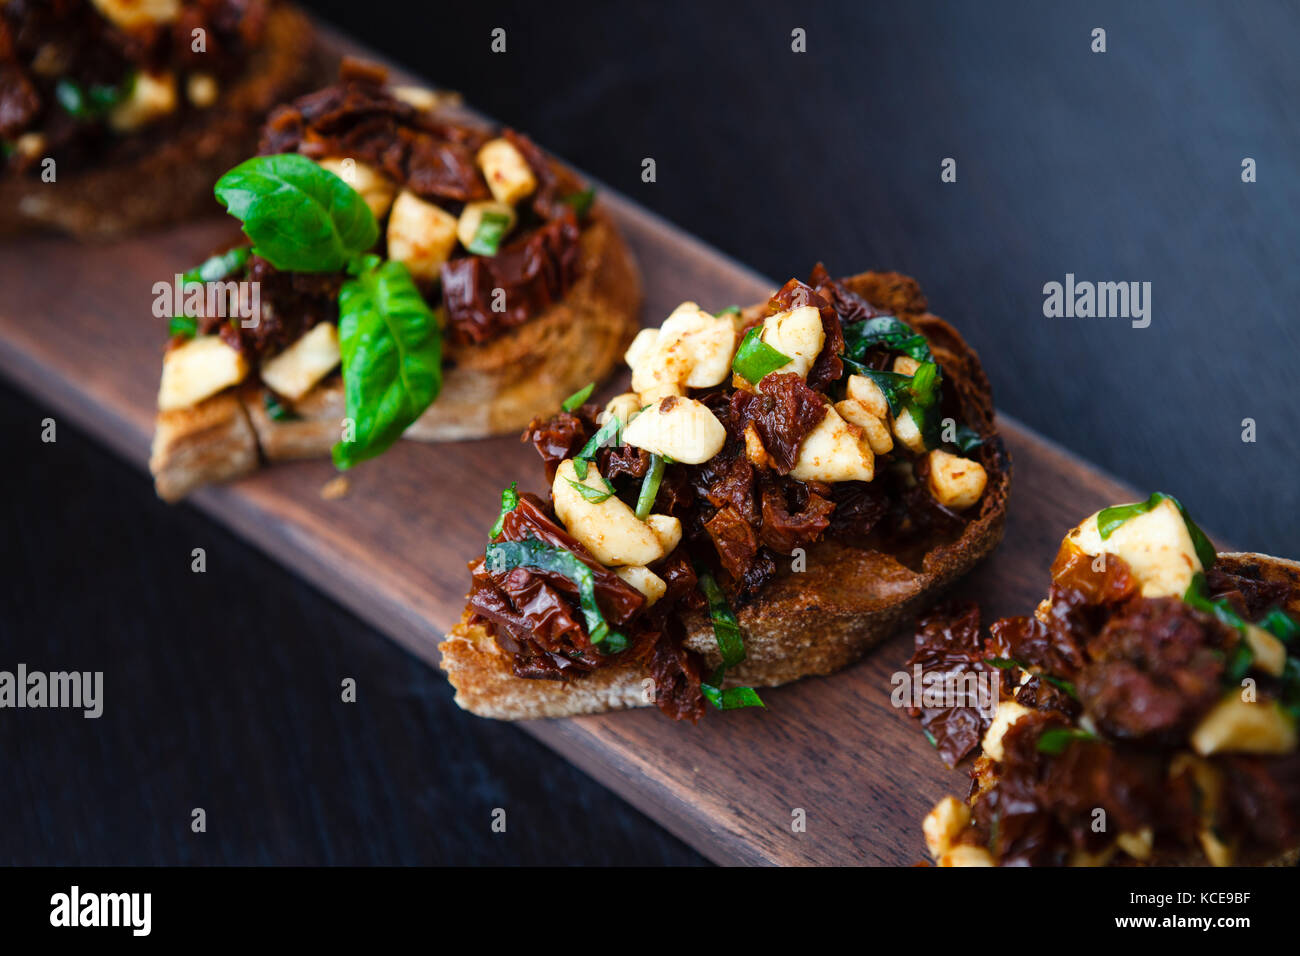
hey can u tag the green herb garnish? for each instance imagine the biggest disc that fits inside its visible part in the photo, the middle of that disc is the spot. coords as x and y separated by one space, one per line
645 501
93 101
531 553
756 359
967 438
1054 740
277 411
300 217
732 698
581 202
731 645
729 310
888 332
186 325
391 354
607 434
1109 519
594 495
577 398
492 228
221 266
509 499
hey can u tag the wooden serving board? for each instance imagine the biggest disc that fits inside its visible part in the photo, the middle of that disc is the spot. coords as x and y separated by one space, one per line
77 331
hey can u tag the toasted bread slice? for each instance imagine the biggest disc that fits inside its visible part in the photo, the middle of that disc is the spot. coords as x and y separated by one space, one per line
488 389
212 441
812 622
151 178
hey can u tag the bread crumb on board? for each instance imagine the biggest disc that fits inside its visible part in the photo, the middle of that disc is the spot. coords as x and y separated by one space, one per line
337 487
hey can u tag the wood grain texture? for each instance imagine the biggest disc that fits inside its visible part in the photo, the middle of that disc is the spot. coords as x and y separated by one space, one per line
394 551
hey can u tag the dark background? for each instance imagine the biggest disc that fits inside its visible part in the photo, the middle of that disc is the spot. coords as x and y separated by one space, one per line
1117 166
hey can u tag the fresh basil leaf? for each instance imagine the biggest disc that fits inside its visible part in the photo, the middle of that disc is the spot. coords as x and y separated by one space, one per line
594 495
581 202
729 310
90 102
509 499
1061 683
731 645
277 411
300 217
1277 622
186 325
577 398
607 434
654 475
888 332
1239 663
732 698
531 553
755 358
492 228
923 401
391 353
1054 740
1005 663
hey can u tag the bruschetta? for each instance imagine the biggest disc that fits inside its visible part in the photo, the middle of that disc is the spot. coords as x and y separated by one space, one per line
781 489
1145 713
408 271
119 114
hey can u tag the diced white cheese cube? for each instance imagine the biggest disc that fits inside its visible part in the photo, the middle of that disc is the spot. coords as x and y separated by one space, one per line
296 370
201 367
420 235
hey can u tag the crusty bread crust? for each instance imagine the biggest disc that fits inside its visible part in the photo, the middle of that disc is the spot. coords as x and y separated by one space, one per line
803 623
489 389
172 179
212 441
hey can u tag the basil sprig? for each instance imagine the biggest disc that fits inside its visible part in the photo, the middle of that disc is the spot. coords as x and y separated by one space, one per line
967 438
731 645
509 500
885 331
1109 519
492 228
756 359
531 553
300 217
391 353
577 398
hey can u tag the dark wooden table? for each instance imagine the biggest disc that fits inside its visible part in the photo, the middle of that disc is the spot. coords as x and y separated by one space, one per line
1116 166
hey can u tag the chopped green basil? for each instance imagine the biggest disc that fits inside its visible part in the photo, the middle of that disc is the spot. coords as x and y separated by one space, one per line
1061 683
277 411
492 228
645 501
300 217
391 351
577 398
729 310
1281 625
731 645
1277 622
221 266
732 698
1005 663
509 499
186 325
1239 663
93 101
594 495
1110 519
1054 740
888 332
967 438
755 358
581 202
531 553
606 435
